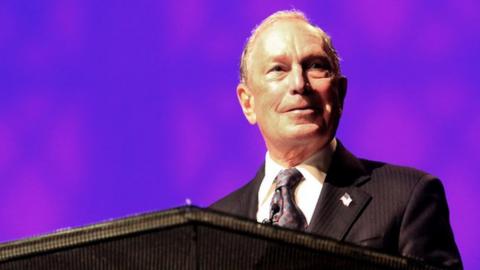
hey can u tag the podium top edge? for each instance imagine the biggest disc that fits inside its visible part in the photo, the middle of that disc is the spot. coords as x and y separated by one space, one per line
185 215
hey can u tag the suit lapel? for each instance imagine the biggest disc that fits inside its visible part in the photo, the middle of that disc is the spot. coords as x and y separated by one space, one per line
332 217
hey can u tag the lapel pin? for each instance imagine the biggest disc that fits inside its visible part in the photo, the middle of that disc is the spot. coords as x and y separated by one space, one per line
346 199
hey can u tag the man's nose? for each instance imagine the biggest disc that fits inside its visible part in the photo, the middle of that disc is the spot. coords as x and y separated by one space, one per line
297 81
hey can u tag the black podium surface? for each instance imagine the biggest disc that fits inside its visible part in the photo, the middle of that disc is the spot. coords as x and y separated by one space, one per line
190 238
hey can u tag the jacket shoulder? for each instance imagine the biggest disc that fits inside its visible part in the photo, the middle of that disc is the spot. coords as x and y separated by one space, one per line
230 200
395 173
243 201
393 184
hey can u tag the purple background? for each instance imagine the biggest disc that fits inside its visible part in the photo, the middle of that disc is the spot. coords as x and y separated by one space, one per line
109 108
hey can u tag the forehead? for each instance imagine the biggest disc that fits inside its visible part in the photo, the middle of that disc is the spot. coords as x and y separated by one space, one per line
288 38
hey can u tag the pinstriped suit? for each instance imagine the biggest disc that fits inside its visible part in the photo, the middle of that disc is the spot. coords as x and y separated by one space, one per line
395 209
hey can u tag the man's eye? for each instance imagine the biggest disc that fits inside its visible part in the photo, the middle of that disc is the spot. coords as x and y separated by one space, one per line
318 65
276 69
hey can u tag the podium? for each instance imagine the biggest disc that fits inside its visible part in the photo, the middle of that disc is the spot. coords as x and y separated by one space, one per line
190 238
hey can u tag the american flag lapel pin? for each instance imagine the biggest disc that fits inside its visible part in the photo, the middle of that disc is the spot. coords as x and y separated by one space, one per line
346 199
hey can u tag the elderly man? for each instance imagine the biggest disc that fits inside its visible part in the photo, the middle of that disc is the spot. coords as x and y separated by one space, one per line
292 88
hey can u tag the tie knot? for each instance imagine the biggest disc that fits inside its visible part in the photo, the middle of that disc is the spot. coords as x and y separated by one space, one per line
288 177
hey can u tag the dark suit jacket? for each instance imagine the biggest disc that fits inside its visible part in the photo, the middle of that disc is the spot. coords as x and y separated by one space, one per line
395 209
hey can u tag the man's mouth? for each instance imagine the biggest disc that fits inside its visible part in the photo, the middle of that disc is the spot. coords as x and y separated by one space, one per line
301 109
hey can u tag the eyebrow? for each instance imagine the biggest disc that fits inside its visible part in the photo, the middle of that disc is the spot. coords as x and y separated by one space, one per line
312 57
324 59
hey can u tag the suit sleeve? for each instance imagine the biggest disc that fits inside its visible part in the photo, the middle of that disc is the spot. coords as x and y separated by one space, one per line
425 230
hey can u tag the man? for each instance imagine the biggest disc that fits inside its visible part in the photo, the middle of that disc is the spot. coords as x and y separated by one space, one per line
292 88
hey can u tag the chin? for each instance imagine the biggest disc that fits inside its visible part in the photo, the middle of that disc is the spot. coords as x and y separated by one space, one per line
307 132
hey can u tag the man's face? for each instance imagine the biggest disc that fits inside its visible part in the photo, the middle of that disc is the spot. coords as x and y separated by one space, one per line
291 93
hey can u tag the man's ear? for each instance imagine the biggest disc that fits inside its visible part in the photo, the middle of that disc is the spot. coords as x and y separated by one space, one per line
342 89
247 101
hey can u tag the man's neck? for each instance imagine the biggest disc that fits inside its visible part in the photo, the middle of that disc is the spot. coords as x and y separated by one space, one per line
295 156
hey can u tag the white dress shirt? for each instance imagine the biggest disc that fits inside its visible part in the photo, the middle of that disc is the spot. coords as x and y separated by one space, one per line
307 193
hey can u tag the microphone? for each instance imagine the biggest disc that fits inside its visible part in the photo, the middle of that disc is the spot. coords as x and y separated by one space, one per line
275 208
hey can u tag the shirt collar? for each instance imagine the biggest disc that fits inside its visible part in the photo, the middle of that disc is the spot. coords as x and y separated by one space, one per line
316 165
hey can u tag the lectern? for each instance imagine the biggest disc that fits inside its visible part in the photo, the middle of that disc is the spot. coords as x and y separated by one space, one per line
190 238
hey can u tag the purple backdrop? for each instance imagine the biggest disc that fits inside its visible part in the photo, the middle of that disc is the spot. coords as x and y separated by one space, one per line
110 108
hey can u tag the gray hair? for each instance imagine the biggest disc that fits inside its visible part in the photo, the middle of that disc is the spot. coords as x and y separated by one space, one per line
282 15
